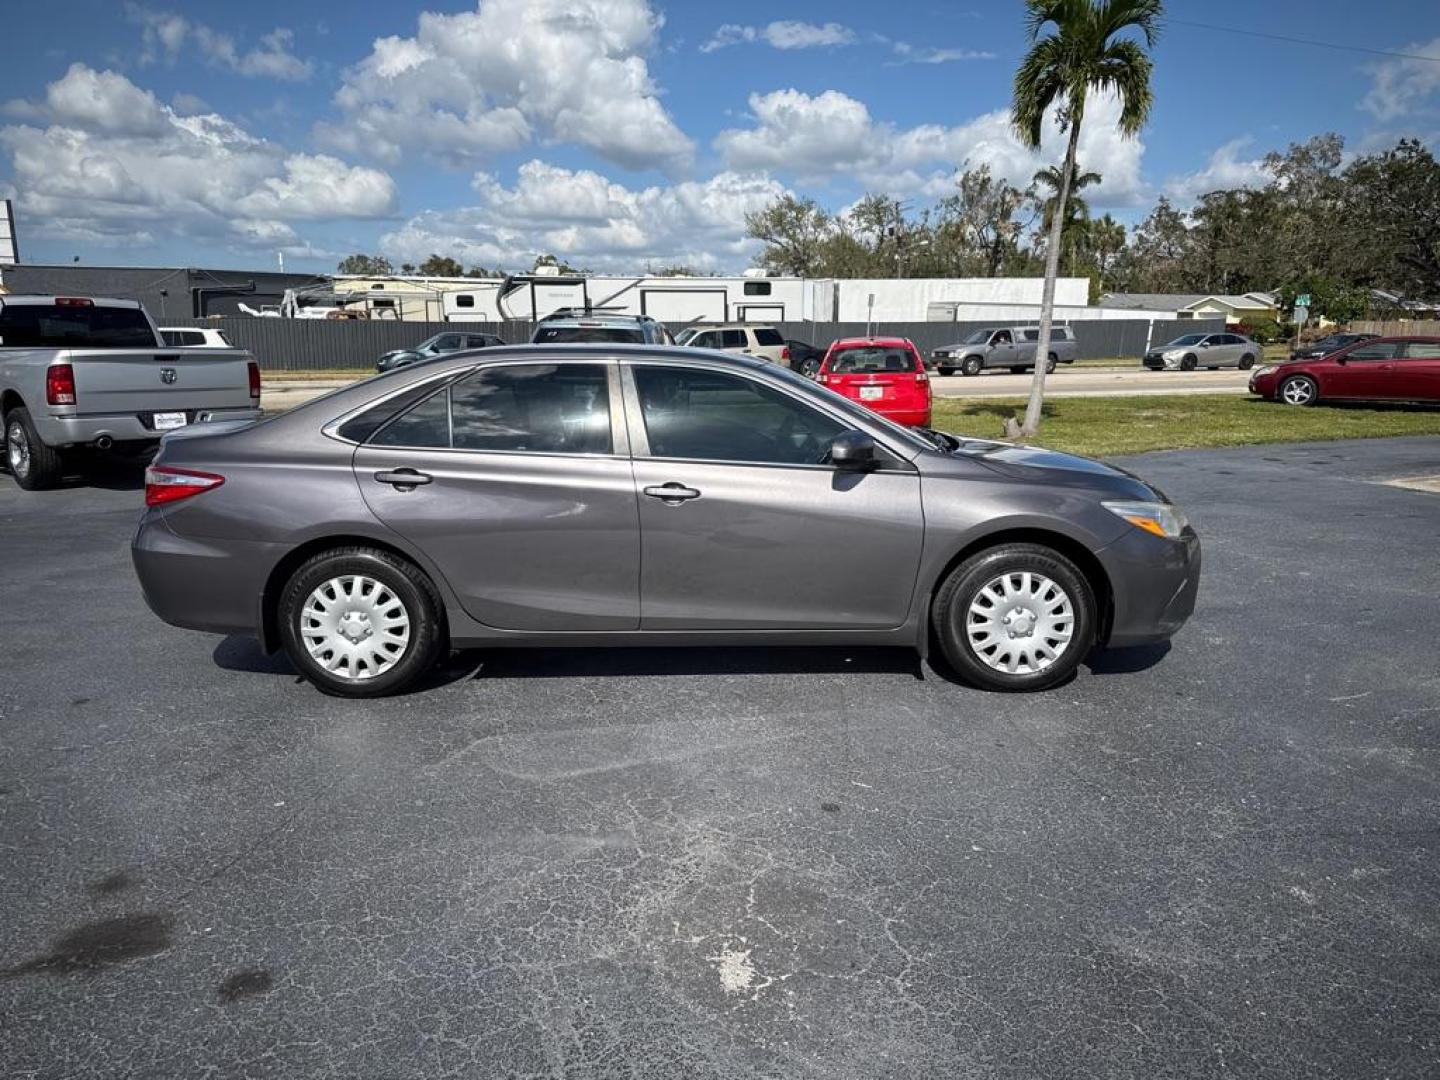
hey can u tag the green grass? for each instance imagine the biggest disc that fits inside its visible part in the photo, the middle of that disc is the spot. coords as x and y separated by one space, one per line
1105 426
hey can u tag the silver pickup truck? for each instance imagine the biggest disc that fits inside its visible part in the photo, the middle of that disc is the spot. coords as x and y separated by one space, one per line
1010 347
79 372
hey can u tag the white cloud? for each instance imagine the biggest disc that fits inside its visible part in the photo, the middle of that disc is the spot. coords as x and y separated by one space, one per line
1404 84
906 53
782 34
1224 171
114 165
829 134
165 35
589 220
474 84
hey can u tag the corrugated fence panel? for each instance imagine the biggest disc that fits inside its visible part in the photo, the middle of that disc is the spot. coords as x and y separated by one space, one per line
345 345
1398 327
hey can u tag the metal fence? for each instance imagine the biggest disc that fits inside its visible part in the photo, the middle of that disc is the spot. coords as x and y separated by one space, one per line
346 345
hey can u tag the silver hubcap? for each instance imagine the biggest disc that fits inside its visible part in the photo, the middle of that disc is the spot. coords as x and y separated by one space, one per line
1020 623
1297 391
18 450
355 627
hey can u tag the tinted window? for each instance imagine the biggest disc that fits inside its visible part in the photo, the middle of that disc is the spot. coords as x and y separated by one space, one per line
733 339
1423 350
716 417
49 326
1383 350
464 300
427 425
480 341
565 334
1033 335
766 336
363 425
705 339
871 359
447 342
757 288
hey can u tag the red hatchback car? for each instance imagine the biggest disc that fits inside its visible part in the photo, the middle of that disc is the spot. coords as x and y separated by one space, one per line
1382 369
883 374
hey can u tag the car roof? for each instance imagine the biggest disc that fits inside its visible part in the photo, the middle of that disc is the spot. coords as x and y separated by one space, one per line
731 326
43 298
886 342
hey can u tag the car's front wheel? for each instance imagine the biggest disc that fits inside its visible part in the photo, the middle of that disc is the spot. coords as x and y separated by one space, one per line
360 622
1016 617
1299 390
1188 363
972 366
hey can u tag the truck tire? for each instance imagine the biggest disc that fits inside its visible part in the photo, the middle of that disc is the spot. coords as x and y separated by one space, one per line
972 366
34 465
1050 364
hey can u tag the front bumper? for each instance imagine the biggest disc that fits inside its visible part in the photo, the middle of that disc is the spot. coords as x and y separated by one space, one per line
1154 582
1159 363
123 427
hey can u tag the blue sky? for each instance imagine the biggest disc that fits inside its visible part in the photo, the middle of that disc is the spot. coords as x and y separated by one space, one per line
616 132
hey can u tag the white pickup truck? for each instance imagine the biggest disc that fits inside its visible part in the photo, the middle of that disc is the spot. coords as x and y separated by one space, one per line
80 372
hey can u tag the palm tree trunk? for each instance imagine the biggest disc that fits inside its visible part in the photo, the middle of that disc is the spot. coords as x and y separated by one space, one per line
1047 298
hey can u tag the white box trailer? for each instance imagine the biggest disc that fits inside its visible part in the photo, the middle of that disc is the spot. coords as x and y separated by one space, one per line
669 299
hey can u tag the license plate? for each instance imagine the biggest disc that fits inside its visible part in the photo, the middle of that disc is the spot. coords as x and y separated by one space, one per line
169 421
871 393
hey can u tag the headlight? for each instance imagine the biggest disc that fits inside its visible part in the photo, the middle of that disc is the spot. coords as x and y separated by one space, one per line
1159 518
1264 370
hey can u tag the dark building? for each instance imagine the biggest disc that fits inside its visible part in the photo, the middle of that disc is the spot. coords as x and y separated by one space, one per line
166 292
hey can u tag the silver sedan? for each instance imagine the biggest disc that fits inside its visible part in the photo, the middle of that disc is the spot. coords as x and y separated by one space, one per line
1204 351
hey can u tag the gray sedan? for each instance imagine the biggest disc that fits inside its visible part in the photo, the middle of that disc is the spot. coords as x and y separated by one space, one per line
632 495
1191 351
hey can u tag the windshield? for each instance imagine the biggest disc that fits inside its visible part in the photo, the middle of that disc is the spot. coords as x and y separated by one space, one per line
871 359
567 334
1188 339
75 326
686 335
977 337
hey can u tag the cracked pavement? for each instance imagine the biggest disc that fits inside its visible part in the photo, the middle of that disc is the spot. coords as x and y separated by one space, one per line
750 862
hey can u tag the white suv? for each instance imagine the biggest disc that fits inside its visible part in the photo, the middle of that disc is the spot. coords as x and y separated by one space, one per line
752 339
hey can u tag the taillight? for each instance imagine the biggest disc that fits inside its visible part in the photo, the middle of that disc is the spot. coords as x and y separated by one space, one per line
74 301
921 376
166 484
60 385
785 354
254 381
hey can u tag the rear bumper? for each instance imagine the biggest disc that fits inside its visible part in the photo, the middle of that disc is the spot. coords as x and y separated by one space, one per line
907 417
198 584
121 427
1155 583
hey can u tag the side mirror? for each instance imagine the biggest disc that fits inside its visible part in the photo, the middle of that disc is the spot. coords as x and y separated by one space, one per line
853 451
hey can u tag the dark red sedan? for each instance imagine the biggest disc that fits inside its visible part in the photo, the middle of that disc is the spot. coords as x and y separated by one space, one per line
884 374
1382 369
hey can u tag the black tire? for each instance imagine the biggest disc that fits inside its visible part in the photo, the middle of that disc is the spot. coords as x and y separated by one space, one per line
1247 362
946 371
34 465
1050 364
972 366
1018 370
410 587
1188 363
1298 390
950 615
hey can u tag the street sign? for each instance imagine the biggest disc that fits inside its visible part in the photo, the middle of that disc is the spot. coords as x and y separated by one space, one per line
1302 301
1302 315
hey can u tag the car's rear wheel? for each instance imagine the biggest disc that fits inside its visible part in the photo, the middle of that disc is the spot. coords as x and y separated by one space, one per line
972 366
1050 364
360 622
1016 617
34 465
1188 363
1299 390
1247 362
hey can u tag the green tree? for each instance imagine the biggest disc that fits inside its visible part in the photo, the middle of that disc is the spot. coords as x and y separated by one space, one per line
366 265
441 266
977 231
1085 50
1393 211
1076 224
793 231
1107 241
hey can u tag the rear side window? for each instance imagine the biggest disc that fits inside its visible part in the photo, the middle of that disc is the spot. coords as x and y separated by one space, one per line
51 326
571 334
522 408
872 360
765 336
733 339
1423 350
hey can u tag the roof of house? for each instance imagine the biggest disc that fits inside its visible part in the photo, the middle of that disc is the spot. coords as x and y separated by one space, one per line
1182 301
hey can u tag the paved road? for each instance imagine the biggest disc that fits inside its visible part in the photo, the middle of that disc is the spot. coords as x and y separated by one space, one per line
1096 382
1223 860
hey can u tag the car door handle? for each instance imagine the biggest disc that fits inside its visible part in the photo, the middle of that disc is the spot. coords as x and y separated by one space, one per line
672 494
403 479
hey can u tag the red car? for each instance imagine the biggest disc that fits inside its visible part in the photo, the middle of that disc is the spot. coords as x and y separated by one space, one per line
1382 369
883 374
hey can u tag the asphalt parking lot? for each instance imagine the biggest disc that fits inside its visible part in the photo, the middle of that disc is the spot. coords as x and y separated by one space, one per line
817 863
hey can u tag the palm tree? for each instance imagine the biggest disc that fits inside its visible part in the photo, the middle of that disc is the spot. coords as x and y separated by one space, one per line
1085 51
1075 228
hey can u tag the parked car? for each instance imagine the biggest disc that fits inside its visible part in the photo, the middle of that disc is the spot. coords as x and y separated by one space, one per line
804 357
883 374
1211 351
542 496
195 337
448 341
1327 345
570 325
1010 347
749 339
81 372
1378 369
